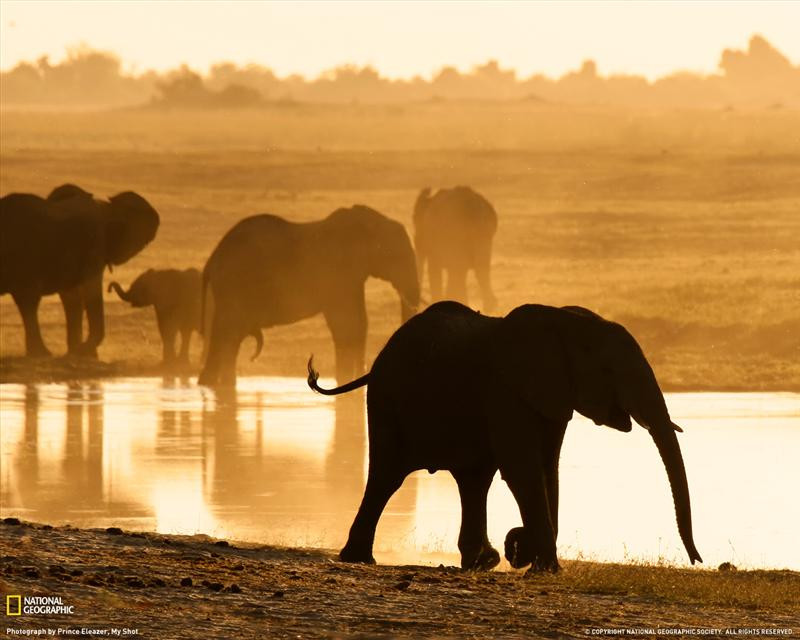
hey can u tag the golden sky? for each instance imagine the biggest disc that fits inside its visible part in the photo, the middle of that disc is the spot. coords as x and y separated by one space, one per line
400 39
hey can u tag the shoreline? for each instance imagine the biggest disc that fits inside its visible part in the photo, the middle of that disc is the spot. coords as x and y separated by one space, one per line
164 586
21 370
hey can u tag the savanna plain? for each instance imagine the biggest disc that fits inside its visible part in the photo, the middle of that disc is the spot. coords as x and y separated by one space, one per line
682 225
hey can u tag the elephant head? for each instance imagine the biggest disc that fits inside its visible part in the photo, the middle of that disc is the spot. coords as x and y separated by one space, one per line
388 254
575 360
130 222
139 294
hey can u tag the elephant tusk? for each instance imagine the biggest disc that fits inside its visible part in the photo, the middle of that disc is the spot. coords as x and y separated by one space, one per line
676 427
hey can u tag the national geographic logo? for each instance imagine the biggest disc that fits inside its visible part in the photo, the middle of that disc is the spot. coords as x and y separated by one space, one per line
13 605
37 605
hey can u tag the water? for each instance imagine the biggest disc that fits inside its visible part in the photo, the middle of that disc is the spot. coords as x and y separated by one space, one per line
275 463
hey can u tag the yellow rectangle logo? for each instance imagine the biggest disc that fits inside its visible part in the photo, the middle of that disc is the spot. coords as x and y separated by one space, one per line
13 609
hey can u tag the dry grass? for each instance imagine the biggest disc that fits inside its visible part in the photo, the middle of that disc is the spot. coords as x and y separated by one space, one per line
682 225
777 591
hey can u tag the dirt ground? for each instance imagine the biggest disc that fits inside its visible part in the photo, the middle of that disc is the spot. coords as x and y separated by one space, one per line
159 586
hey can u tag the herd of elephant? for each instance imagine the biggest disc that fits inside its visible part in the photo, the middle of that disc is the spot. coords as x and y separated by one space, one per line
265 271
453 389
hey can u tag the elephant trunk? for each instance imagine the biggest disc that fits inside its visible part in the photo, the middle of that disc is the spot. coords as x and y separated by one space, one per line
667 443
125 295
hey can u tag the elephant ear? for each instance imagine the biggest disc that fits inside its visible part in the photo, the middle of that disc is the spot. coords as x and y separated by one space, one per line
529 358
599 356
132 224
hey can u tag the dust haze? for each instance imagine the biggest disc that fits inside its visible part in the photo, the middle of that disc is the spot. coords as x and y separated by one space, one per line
670 206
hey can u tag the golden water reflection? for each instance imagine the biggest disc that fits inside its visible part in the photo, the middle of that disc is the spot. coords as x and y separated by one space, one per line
274 463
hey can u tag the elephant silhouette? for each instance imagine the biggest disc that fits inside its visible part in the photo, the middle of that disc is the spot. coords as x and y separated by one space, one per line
61 245
453 232
268 271
473 394
175 296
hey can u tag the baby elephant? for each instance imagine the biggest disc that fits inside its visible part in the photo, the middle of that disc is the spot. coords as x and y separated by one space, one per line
176 297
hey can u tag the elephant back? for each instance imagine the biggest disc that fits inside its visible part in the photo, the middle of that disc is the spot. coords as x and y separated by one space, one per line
45 246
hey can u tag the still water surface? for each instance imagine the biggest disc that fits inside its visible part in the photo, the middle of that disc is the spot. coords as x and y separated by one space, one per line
275 463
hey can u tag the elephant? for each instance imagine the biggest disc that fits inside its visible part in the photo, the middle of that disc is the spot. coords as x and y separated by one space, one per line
61 244
471 394
175 295
268 271
453 231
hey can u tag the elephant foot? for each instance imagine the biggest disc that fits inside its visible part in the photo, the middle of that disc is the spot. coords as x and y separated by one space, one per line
485 559
539 567
38 351
351 554
519 551
85 350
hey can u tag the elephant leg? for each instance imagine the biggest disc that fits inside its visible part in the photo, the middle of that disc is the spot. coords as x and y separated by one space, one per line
435 279
473 542
349 360
347 322
168 332
457 284
186 340
223 339
93 301
72 301
381 485
209 374
521 458
482 273
230 353
28 305
552 454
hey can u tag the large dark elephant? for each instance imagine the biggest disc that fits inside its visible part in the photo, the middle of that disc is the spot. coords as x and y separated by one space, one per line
268 271
453 232
61 245
456 390
175 295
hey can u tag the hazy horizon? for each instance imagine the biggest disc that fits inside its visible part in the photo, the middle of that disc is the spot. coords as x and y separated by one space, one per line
399 40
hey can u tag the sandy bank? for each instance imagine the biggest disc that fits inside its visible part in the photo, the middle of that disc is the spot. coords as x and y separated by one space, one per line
160 586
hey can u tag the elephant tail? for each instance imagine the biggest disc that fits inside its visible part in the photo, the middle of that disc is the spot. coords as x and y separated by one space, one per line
256 333
313 376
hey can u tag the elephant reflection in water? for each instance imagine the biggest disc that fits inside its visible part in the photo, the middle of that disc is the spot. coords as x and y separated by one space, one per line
80 483
25 460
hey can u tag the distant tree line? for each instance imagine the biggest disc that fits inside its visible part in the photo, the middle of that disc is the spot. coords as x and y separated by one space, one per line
759 76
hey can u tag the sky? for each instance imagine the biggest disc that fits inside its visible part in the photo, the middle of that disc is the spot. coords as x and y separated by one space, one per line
400 39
